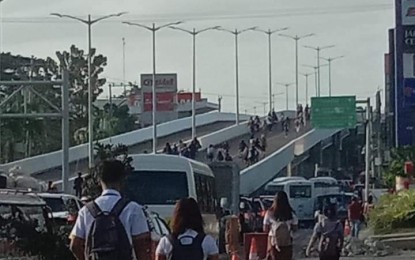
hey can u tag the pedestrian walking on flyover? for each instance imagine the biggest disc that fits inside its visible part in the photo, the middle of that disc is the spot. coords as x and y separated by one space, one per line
279 222
111 227
188 240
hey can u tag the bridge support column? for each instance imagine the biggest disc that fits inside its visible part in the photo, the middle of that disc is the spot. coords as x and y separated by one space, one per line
289 170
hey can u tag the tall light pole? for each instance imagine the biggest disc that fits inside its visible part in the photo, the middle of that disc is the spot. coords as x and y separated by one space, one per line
329 60
236 33
153 29
306 75
273 98
123 67
315 68
296 38
89 22
194 32
286 85
270 32
318 49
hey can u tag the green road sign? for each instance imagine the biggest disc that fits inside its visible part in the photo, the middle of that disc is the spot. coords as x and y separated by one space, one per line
333 112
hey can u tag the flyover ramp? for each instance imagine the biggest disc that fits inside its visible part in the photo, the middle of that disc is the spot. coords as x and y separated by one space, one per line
257 175
173 130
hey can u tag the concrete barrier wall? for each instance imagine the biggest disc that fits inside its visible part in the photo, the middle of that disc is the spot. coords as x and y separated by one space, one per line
312 138
54 159
255 176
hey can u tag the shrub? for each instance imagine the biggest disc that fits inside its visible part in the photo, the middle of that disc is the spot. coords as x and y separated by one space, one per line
394 211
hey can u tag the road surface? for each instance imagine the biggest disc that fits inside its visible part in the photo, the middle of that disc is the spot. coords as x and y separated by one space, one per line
275 140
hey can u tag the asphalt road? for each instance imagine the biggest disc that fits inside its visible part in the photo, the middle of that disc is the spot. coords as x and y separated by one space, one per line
275 140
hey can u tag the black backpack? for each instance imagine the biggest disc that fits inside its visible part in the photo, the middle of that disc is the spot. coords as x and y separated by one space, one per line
329 243
107 238
193 251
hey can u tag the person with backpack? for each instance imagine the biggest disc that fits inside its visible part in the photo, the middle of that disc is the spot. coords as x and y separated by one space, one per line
330 234
188 240
111 227
279 222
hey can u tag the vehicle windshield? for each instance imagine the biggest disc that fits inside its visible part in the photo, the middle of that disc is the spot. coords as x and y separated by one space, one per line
156 187
300 191
56 204
273 189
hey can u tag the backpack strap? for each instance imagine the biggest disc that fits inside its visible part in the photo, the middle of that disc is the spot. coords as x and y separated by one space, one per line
199 238
119 206
94 209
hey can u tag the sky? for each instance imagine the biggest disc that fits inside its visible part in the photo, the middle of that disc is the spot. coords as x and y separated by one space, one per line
357 28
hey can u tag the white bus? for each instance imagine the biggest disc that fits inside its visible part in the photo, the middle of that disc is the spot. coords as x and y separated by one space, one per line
325 186
159 181
300 194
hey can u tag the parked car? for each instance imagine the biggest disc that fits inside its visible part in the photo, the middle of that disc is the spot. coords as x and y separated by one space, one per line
24 217
64 207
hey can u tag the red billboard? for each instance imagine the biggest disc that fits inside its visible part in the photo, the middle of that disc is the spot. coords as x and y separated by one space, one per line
184 97
165 101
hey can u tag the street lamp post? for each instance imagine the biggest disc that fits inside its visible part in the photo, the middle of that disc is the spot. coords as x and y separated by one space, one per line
123 67
296 38
236 33
318 49
270 32
315 68
306 75
329 60
273 98
153 29
286 85
89 23
194 32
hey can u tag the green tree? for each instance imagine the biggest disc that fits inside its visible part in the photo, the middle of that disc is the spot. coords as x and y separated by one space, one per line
91 185
76 62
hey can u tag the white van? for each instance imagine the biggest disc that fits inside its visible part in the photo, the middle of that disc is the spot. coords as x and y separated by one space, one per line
159 181
300 194
325 186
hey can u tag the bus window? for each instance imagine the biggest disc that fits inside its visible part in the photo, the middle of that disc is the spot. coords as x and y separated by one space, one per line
274 189
300 191
156 187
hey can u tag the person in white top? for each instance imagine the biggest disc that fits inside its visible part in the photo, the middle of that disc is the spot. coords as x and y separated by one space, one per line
132 217
280 211
188 239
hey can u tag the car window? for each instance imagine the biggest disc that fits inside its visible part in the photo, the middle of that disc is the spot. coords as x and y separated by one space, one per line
56 204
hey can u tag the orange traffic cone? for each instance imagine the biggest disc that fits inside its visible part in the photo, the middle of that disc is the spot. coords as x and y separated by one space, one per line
347 230
253 251
235 256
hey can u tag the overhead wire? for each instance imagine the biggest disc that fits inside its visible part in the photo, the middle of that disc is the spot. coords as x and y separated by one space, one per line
221 16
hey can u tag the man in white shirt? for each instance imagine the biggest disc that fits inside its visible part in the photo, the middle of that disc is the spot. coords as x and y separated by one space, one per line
132 217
